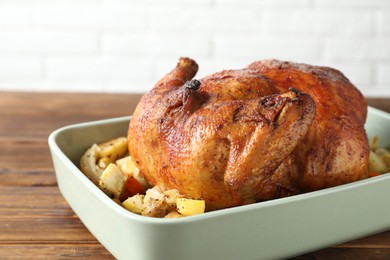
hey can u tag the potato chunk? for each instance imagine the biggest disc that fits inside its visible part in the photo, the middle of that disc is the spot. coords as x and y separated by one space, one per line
189 207
154 203
171 197
113 149
112 181
127 165
376 163
134 203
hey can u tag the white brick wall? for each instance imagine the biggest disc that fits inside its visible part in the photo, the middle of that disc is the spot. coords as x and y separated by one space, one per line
127 45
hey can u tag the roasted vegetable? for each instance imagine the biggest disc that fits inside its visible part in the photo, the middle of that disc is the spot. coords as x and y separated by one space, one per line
379 161
189 207
98 157
88 164
112 181
134 203
113 149
155 204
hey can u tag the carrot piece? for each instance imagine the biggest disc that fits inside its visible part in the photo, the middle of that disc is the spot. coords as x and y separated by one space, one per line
134 187
373 174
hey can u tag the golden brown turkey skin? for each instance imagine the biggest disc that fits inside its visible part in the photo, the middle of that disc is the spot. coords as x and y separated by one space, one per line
270 130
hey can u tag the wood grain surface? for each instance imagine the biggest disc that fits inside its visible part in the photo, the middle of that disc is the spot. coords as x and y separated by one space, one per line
35 220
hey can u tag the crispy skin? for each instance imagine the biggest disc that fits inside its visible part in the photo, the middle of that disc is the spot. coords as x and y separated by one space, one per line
270 130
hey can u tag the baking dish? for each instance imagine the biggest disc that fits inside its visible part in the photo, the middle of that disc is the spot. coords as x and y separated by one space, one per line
273 229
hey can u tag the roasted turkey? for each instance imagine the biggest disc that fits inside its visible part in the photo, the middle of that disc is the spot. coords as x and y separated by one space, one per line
270 130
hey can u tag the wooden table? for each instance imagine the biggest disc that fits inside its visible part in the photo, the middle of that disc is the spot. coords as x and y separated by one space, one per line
35 220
